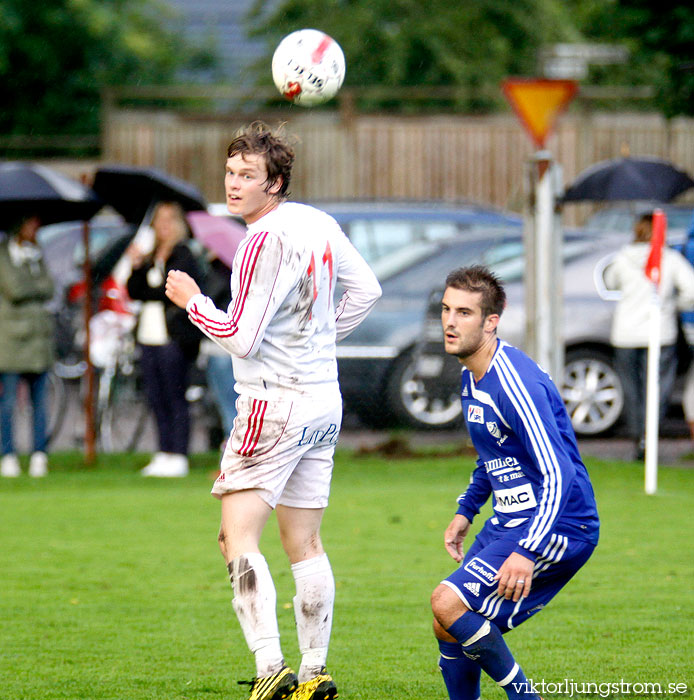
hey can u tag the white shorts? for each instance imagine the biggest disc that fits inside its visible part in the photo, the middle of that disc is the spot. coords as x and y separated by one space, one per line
284 449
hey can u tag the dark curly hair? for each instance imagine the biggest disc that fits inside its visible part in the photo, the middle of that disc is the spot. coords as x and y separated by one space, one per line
258 138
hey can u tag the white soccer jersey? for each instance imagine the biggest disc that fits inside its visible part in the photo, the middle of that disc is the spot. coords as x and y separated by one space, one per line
281 325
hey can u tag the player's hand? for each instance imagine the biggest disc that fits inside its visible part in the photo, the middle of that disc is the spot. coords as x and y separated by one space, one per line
515 577
180 287
455 536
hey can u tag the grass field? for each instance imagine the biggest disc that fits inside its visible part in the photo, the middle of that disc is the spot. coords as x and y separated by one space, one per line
112 586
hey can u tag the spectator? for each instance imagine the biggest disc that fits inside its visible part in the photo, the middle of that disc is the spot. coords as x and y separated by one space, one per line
630 324
26 341
169 343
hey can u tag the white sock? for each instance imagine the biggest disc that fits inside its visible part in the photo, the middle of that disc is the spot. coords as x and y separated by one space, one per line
255 603
313 610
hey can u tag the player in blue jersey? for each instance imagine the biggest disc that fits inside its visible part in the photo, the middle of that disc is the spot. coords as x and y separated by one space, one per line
545 521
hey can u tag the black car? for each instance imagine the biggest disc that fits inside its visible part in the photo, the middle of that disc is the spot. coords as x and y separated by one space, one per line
393 369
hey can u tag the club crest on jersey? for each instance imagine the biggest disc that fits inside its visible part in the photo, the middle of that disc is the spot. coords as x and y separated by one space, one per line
475 414
493 428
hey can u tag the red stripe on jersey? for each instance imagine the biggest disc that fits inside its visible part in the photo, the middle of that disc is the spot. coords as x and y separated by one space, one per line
319 52
225 329
250 258
215 328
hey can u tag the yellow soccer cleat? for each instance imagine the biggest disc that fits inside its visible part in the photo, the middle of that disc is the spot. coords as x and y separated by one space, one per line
278 686
320 687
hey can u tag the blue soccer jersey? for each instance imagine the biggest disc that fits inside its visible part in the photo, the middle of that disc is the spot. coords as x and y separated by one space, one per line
528 459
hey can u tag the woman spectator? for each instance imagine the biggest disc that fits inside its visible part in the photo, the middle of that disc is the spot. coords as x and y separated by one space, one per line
169 343
26 341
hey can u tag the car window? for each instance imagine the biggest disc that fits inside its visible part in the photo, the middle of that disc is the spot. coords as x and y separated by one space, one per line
621 219
434 264
376 239
504 254
63 247
507 260
401 258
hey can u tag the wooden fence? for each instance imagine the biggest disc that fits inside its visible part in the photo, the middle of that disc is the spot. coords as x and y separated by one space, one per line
386 156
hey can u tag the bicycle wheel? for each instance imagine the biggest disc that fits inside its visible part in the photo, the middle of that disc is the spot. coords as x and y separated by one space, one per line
126 414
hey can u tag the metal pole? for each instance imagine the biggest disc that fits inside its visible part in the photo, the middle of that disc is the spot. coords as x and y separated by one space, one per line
89 422
652 395
654 271
543 267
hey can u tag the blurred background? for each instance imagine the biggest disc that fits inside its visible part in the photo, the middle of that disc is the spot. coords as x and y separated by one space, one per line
164 82
418 147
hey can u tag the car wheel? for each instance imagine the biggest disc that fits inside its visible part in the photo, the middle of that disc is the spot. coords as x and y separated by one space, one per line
423 391
592 392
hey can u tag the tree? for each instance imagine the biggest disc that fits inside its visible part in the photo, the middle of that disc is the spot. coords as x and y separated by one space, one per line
661 38
465 43
57 55
474 44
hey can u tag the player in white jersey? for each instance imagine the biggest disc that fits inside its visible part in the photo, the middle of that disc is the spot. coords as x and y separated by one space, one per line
281 328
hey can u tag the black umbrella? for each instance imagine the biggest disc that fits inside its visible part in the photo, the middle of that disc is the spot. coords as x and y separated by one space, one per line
32 189
131 190
629 178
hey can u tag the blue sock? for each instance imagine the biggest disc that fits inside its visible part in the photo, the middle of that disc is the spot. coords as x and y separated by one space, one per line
460 674
483 642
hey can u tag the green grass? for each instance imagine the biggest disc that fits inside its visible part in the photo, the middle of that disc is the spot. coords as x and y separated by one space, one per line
112 586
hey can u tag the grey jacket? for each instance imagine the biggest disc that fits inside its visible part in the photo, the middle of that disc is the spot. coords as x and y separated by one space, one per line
26 325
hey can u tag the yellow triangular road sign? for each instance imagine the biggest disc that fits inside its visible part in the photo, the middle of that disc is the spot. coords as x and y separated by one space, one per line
538 102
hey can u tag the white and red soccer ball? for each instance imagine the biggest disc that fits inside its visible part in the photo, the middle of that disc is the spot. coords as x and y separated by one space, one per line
308 67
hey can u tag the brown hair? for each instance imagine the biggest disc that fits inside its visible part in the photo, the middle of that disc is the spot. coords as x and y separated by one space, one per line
258 138
643 228
179 215
478 278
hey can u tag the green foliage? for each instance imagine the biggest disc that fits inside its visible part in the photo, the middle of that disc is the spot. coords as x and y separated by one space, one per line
661 39
474 44
56 56
468 43
113 587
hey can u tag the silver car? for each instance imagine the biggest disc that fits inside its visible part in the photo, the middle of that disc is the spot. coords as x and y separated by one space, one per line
393 368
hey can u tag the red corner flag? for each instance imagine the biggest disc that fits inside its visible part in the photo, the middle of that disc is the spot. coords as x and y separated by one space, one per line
655 255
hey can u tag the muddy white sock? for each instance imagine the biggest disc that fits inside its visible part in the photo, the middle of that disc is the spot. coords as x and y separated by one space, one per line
313 610
255 604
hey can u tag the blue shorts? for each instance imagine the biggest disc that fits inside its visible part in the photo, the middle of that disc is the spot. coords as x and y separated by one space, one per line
473 582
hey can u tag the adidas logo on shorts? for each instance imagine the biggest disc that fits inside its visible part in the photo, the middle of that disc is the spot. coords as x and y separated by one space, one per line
474 588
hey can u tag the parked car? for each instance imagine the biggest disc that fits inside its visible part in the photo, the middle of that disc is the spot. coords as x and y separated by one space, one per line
382 376
381 229
393 367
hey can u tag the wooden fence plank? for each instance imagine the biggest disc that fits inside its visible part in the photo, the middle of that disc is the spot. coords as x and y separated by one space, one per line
373 156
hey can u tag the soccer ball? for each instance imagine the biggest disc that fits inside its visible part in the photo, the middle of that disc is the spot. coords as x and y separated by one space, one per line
308 67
